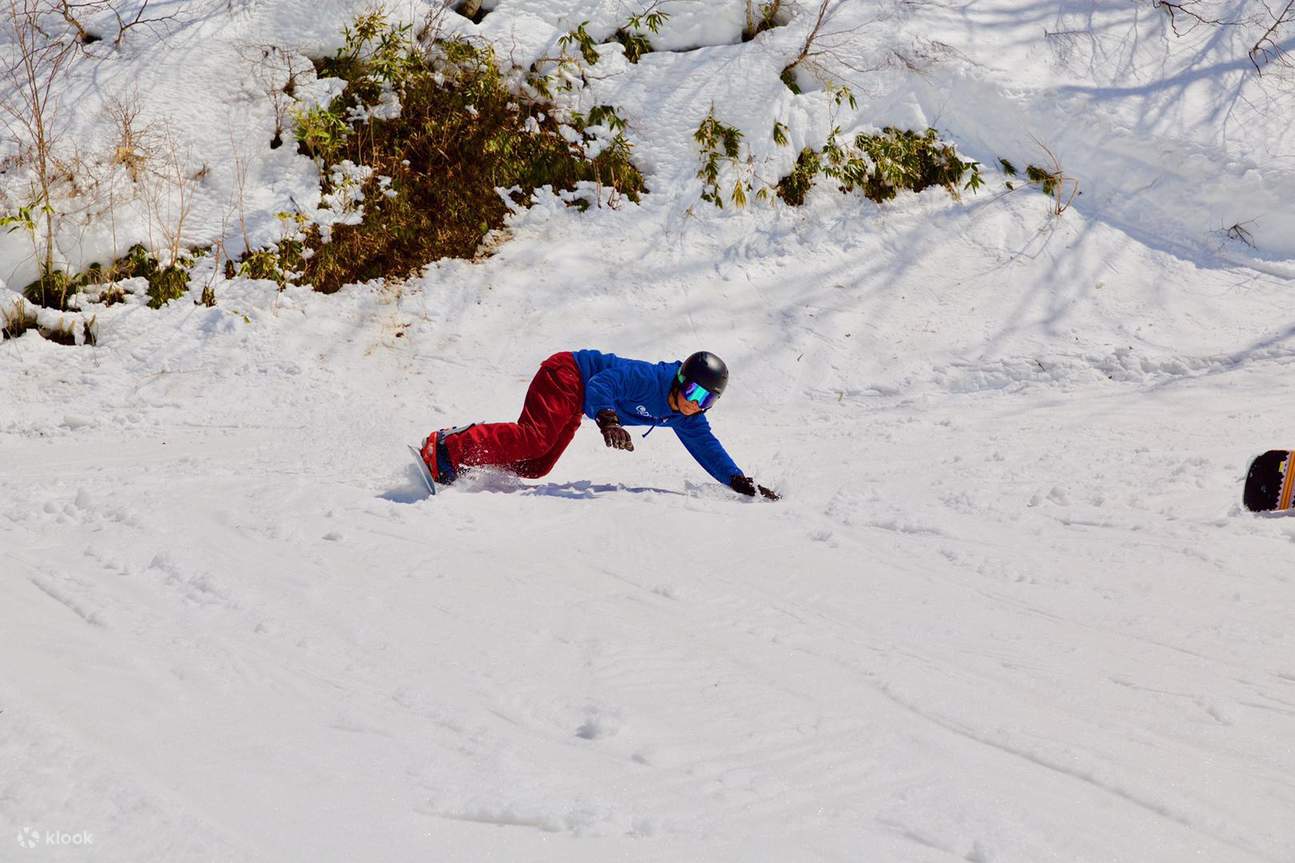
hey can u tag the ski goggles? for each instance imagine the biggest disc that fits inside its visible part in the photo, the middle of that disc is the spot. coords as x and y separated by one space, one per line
697 394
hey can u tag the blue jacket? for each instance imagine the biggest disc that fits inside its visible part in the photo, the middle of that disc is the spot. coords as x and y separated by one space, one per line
637 391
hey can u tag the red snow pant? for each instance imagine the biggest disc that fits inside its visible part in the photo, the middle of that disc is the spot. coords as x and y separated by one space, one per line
532 445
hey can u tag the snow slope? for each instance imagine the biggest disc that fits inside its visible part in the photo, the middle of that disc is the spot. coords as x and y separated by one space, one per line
1008 610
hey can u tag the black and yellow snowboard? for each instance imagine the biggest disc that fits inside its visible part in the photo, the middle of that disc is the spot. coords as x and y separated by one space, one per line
1270 482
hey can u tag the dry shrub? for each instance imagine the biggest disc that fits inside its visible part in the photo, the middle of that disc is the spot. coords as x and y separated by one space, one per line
16 318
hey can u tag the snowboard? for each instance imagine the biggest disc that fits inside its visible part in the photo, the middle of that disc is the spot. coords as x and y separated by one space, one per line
422 469
1270 482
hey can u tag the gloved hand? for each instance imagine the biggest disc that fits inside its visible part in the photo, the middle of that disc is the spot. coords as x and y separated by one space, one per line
615 436
747 486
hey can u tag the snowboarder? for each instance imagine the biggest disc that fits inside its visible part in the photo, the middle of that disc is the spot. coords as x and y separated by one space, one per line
614 392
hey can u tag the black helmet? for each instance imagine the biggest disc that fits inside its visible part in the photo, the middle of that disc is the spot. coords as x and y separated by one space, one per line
702 378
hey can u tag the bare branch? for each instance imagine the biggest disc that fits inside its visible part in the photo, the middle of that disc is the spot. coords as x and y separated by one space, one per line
1239 232
814 45
1268 48
276 70
82 35
1187 9
72 12
168 192
240 189
123 25
31 109
824 8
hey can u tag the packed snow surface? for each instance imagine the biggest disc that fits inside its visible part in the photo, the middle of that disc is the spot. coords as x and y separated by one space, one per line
1009 608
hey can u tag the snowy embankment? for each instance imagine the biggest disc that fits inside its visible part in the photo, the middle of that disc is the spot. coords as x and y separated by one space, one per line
1008 610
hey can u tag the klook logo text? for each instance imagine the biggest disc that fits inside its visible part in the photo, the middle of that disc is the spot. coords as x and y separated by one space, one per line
31 838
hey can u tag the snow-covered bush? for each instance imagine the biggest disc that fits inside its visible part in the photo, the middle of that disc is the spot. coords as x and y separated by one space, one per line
882 165
631 36
795 186
165 283
18 316
431 130
282 263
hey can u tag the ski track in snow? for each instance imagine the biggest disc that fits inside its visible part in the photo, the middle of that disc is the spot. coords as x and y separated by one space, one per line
1008 610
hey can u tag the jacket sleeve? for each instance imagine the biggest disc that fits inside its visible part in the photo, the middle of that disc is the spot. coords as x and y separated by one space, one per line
701 443
612 384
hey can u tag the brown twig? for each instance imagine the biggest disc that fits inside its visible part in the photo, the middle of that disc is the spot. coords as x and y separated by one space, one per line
82 35
1186 9
72 12
825 7
139 19
821 42
1268 48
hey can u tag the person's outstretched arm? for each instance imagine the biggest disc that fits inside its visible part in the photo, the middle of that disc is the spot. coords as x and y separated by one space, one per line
696 435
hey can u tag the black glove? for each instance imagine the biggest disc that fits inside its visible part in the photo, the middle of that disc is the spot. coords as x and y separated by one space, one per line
615 436
745 485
